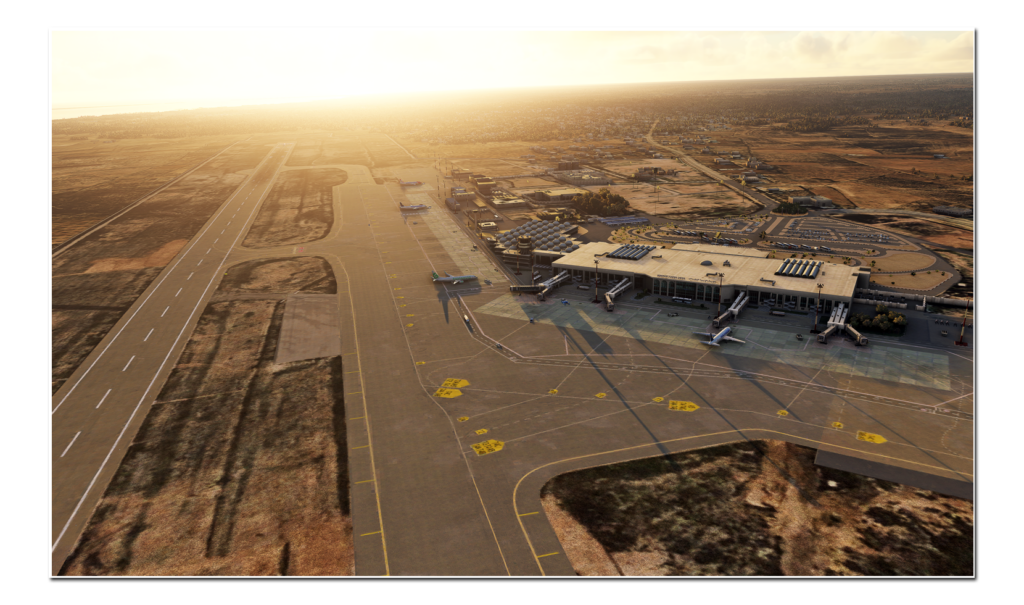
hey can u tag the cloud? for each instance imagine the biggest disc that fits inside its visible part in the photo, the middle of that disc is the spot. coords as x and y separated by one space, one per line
813 46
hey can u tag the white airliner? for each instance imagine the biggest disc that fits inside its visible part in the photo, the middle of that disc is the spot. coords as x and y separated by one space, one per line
716 339
452 279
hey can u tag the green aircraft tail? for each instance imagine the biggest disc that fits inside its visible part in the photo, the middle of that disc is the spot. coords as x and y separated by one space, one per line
436 276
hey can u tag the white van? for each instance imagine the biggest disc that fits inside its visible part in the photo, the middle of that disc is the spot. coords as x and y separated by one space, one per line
681 300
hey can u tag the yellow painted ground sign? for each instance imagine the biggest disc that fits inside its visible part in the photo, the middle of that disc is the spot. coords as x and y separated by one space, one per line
683 406
488 447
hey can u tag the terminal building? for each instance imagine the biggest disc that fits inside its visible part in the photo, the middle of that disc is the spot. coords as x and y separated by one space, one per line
714 273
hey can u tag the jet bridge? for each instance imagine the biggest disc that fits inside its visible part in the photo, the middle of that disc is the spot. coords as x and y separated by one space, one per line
611 295
733 310
552 283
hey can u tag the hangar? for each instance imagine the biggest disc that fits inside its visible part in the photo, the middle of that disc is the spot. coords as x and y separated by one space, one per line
704 273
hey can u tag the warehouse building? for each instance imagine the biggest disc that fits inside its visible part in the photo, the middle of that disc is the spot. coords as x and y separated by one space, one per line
712 273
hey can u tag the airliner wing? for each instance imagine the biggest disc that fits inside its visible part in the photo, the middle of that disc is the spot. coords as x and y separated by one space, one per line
709 343
706 334
734 339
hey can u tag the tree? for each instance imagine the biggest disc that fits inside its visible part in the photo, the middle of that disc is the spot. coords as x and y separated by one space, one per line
881 309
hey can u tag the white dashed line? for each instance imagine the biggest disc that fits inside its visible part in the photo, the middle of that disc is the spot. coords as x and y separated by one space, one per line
147 335
127 364
165 311
208 250
190 276
102 399
200 262
222 232
229 223
72 443
216 240
177 293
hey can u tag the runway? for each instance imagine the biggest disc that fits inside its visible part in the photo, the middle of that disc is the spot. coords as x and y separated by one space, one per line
97 412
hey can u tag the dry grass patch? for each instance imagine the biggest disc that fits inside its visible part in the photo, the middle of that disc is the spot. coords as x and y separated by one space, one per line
754 508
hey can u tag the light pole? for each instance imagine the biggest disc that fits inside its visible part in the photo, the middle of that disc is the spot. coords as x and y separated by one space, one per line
816 307
596 299
721 278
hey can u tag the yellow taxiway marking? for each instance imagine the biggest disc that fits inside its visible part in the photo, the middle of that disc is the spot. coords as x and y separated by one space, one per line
837 425
463 418
488 447
354 393
403 306
782 413
601 395
393 275
553 392
455 383
367 481
481 431
360 447
397 288
870 437
357 418
528 514
548 555
370 534
447 393
353 372
683 406
409 314
409 325
420 363
399 296
658 399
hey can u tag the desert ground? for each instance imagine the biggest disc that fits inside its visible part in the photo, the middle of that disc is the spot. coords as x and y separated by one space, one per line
758 508
200 491
299 209
92 178
97 280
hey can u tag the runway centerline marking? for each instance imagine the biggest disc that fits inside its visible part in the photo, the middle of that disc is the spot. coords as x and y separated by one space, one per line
200 262
128 364
190 276
102 398
165 310
70 444
103 465
177 293
208 250
148 335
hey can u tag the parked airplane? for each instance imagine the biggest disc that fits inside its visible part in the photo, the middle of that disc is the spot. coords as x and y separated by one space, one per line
409 184
412 208
716 339
452 279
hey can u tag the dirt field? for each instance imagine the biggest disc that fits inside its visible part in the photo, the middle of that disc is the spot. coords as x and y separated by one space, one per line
299 208
309 274
926 230
903 262
866 166
693 202
124 257
199 490
746 509
91 179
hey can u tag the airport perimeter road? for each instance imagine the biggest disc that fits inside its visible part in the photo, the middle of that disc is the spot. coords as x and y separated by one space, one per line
767 202
96 414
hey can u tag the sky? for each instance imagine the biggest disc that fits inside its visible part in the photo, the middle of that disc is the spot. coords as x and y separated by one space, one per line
238 66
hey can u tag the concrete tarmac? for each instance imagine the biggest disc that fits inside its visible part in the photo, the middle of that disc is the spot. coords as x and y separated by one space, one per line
453 438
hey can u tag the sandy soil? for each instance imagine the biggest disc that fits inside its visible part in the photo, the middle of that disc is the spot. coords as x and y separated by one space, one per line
924 280
91 179
758 508
299 209
903 262
201 490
